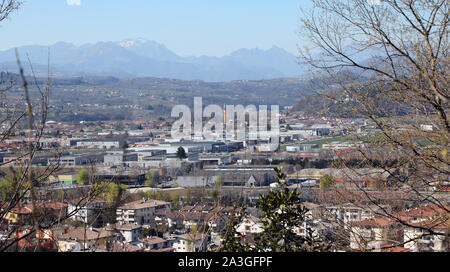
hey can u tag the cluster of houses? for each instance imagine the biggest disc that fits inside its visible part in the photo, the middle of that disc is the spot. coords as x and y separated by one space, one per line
425 228
125 157
81 226
368 228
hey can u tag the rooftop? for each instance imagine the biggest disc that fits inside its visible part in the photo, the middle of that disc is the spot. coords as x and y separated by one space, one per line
143 204
86 234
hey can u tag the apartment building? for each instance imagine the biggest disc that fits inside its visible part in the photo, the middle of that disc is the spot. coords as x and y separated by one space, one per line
141 211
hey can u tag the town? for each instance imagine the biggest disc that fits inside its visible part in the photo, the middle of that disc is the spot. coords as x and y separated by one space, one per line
179 196
223 127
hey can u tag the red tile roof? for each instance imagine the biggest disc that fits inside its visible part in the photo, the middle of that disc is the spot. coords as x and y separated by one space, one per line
82 234
395 249
28 208
441 223
428 211
380 222
431 210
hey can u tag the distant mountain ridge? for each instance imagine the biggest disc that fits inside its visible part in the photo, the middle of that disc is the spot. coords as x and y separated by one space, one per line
143 58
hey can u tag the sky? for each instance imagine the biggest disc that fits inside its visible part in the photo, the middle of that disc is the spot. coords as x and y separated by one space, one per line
187 27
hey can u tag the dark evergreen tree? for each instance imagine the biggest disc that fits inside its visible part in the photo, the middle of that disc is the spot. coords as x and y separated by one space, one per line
181 153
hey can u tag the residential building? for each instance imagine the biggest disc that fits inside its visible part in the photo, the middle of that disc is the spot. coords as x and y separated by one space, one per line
250 225
129 232
141 211
378 229
419 239
87 211
191 242
154 243
83 239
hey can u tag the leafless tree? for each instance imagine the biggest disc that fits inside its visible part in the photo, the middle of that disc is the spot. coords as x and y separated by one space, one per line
7 7
25 105
387 62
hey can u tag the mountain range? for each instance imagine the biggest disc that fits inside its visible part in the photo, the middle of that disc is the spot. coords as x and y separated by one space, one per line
143 58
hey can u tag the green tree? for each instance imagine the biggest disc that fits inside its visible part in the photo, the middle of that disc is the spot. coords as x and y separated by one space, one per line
11 184
149 194
115 193
282 214
164 196
181 153
215 194
187 195
403 87
219 181
140 220
326 182
60 196
152 231
232 241
152 178
83 176
175 198
111 192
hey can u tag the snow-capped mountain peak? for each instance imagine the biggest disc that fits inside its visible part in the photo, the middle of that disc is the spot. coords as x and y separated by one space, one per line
132 42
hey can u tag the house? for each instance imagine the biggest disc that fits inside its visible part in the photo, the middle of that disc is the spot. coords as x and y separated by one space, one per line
395 249
202 208
48 212
251 182
154 243
87 211
173 219
423 213
370 233
82 239
419 239
381 246
377 229
26 242
230 211
162 250
129 232
118 246
314 210
193 219
141 211
349 212
217 221
188 208
191 242
250 225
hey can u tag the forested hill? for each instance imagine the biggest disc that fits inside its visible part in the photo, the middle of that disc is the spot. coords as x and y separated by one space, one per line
110 98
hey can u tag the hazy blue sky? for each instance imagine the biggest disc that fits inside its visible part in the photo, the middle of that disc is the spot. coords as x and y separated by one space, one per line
188 27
